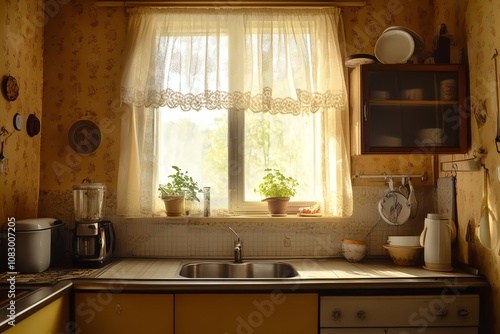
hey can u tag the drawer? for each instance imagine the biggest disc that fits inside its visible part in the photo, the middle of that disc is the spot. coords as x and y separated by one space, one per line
399 330
400 311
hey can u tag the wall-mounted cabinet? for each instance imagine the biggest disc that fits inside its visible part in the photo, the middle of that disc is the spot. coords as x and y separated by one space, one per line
407 108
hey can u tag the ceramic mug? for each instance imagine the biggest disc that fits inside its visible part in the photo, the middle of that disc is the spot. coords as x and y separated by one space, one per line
448 90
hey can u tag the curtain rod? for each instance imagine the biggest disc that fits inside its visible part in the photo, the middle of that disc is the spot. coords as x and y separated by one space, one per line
230 3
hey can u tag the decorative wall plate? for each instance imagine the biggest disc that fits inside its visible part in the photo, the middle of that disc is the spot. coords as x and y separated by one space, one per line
10 88
33 125
18 122
84 136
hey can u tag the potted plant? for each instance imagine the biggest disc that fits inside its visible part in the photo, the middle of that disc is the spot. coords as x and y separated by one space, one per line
277 190
174 193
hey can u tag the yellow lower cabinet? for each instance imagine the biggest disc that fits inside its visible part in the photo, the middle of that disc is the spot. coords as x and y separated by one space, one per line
267 313
105 312
52 319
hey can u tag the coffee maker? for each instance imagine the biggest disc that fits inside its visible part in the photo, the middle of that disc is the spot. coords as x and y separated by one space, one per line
94 237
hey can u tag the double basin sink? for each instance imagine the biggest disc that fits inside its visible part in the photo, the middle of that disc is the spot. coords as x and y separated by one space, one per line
223 270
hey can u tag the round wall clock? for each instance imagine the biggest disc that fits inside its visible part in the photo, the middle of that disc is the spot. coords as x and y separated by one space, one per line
18 122
10 88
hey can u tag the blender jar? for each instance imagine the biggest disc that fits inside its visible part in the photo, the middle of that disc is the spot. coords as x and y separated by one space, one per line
89 201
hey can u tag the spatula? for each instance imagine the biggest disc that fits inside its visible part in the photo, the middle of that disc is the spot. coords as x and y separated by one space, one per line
484 219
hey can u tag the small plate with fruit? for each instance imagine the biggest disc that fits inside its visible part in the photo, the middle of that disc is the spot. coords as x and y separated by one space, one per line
310 211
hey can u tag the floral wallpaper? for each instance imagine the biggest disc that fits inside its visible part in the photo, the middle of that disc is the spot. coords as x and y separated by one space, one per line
67 59
482 26
21 40
83 46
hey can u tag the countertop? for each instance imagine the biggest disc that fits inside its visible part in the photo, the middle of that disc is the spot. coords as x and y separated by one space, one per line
324 276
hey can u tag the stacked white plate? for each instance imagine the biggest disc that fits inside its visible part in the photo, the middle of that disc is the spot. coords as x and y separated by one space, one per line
397 44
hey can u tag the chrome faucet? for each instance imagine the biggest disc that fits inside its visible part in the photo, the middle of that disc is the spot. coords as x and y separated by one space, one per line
238 245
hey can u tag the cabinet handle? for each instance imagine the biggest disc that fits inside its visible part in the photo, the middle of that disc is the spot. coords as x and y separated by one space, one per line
462 313
365 112
361 315
118 309
336 314
441 312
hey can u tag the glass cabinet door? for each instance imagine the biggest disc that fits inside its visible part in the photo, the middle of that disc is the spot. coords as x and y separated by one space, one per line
413 109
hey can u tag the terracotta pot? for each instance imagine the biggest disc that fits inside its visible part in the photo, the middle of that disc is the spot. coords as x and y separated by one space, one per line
277 205
174 205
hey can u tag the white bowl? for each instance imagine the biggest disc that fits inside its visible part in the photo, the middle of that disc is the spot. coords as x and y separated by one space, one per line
413 94
431 136
353 250
407 240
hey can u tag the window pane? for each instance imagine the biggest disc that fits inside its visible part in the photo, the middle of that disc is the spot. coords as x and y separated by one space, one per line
285 142
196 142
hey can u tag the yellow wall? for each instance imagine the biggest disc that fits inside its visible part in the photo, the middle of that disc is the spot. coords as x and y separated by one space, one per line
83 48
482 29
21 39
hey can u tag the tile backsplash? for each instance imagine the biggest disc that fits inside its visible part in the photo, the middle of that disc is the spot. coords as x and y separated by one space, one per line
198 237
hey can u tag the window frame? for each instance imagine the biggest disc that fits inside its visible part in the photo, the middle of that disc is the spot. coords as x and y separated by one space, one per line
236 170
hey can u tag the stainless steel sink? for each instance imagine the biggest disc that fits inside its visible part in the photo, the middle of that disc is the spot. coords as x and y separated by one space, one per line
238 270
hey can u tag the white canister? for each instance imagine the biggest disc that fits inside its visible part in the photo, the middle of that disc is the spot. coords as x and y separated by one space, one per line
436 240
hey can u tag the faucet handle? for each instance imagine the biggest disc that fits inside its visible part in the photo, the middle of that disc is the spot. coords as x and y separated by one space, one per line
236 234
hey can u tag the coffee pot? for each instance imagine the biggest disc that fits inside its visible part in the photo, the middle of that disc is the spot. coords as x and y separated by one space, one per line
436 238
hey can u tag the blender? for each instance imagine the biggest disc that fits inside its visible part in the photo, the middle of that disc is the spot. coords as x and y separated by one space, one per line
94 237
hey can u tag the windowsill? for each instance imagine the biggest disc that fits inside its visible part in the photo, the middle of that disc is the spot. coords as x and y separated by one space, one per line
233 218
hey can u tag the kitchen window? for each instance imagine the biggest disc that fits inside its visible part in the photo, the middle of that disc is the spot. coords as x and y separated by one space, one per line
225 94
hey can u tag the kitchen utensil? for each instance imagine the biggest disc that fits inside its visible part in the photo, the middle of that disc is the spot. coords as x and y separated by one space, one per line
484 220
436 240
469 234
394 47
412 200
394 208
497 138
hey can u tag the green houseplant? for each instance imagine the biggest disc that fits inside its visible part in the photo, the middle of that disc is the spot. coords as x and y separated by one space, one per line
277 190
174 193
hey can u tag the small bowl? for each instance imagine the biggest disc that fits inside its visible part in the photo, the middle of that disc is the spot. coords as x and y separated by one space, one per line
404 255
404 240
353 250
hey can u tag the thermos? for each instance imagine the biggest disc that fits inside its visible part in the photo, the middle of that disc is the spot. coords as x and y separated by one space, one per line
436 238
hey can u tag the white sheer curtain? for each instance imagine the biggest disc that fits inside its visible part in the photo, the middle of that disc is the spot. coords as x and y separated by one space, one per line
285 61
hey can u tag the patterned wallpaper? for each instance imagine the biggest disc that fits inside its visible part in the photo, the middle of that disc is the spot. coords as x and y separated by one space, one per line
21 40
81 57
83 46
482 27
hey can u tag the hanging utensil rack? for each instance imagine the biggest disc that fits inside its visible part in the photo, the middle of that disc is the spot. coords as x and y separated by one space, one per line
497 138
464 165
423 177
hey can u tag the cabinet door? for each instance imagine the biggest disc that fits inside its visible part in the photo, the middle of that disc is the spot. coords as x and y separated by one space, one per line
417 109
246 313
105 312
53 318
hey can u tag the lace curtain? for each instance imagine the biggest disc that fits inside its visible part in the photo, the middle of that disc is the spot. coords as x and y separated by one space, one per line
286 61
